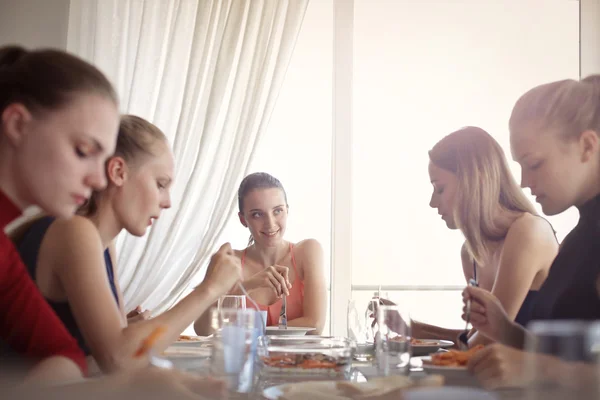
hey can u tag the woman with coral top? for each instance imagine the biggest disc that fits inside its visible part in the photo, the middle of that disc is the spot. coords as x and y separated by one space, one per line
273 267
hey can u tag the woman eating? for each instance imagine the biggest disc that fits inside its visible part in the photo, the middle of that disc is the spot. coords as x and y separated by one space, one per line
273 267
59 120
73 260
554 136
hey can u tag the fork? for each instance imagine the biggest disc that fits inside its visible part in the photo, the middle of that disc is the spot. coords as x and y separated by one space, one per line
463 338
283 314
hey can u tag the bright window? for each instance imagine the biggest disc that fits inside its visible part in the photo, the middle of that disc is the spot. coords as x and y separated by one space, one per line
421 70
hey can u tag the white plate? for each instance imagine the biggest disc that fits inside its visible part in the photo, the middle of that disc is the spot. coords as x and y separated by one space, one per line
194 342
290 331
453 374
430 347
441 393
190 352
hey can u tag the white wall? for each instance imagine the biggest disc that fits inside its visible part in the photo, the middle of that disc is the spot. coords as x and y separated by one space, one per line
590 37
34 23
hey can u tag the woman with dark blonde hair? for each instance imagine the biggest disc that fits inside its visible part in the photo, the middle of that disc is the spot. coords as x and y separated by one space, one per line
555 137
508 248
72 260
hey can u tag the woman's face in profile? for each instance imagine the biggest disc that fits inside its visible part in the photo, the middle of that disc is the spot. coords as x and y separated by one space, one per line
444 193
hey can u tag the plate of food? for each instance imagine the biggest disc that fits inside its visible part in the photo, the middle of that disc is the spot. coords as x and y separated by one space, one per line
306 355
187 341
423 347
290 331
339 390
451 363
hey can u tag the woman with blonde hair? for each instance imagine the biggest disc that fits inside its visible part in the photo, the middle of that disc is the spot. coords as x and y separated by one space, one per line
508 248
555 137
73 261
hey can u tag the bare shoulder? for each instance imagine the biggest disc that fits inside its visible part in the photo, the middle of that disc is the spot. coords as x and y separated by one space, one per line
239 253
308 248
532 230
74 233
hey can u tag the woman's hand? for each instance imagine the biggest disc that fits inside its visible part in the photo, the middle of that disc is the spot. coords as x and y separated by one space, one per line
393 319
224 270
498 366
138 315
487 315
275 278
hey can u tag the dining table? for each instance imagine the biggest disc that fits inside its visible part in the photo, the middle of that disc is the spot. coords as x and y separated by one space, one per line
360 371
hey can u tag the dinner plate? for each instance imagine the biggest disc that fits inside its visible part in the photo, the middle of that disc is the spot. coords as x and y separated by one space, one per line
194 341
290 331
430 346
450 372
438 393
188 358
191 352
419 349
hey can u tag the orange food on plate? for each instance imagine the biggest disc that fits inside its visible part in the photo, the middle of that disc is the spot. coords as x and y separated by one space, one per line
423 342
454 358
303 361
186 338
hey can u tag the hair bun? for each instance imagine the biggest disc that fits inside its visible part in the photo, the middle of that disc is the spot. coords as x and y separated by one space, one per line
9 55
593 80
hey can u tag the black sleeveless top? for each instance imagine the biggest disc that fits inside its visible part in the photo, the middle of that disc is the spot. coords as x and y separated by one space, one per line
29 248
570 291
524 315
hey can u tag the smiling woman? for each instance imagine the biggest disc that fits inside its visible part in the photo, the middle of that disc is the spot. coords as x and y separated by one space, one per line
273 267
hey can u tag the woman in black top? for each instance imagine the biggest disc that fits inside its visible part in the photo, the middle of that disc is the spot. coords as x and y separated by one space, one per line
554 133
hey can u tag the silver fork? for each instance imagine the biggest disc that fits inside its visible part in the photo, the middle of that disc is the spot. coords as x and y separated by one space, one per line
463 338
283 314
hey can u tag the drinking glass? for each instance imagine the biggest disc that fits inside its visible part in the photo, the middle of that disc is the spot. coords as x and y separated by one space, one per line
230 301
392 340
574 342
234 347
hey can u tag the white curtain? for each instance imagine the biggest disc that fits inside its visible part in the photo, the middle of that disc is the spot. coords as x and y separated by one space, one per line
207 72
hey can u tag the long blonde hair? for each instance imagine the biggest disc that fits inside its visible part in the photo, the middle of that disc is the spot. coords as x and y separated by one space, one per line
486 187
568 107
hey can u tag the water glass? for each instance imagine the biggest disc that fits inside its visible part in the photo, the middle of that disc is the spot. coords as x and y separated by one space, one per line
230 301
356 324
392 340
574 342
234 347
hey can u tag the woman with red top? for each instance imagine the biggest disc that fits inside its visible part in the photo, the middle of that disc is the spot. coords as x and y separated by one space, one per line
273 267
58 124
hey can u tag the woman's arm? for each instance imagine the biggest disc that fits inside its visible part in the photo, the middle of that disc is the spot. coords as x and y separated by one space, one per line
315 290
29 325
529 249
75 251
499 366
112 251
54 369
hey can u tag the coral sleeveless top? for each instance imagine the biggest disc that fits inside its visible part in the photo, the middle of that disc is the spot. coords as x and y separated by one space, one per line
295 300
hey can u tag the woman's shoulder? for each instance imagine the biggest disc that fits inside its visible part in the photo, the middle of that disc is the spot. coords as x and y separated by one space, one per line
528 225
308 246
239 253
77 230
308 252
530 231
